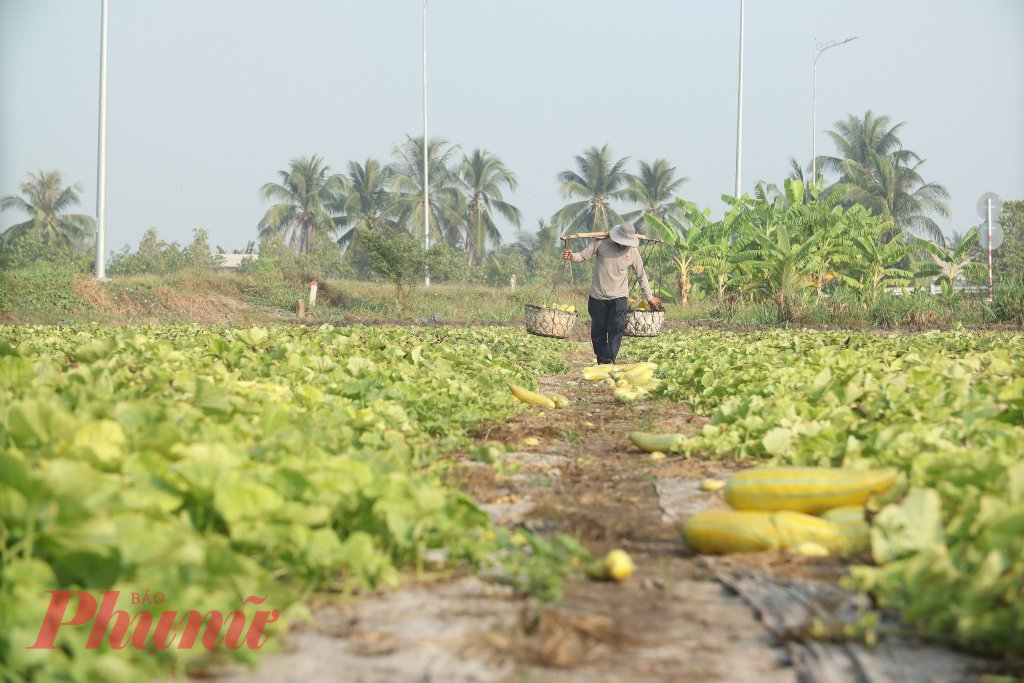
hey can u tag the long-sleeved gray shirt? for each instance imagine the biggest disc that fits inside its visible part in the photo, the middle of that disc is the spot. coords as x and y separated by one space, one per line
611 269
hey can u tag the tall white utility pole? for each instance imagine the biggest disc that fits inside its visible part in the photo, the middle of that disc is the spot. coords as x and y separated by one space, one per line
988 211
426 170
101 164
818 49
739 112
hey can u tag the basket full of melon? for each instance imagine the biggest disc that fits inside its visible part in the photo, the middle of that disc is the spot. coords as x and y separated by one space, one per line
550 320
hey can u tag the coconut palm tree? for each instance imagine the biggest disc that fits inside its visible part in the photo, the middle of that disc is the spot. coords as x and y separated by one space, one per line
596 182
481 176
894 190
541 249
304 197
546 238
365 200
859 139
876 172
446 201
654 189
47 202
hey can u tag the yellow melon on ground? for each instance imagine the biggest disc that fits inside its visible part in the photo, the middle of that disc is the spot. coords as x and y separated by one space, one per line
805 489
717 532
619 565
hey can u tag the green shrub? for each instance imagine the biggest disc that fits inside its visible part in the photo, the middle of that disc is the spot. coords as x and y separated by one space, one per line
257 267
500 264
1008 299
324 260
272 290
842 307
965 309
22 251
42 291
154 255
920 309
395 257
767 313
889 310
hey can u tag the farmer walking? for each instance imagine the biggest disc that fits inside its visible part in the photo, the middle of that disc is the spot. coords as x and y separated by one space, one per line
609 290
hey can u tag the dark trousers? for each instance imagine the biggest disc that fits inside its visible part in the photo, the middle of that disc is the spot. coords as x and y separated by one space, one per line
607 323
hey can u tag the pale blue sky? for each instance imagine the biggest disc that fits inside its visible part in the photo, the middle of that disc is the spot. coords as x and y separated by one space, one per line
208 99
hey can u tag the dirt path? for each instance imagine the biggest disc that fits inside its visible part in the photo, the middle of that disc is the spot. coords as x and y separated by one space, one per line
671 621
585 478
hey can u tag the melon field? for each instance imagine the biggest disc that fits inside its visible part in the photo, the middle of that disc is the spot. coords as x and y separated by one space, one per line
383 491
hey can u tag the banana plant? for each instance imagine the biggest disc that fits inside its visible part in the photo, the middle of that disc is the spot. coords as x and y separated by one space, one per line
779 259
684 247
950 264
718 255
869 264
825 216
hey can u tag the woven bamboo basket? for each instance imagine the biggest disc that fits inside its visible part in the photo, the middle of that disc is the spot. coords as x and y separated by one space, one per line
644 323
549 322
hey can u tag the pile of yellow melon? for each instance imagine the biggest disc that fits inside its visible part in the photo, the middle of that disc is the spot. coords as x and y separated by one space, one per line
806 510
629 382
542 399
638 304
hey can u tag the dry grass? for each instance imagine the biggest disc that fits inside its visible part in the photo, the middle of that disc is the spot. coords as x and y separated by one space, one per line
90 291
203 308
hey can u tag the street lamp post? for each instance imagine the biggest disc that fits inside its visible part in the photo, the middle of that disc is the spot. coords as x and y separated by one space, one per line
101 157
426 171
739 112
818 49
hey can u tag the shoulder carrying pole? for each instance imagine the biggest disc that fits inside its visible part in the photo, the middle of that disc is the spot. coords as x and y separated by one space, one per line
572 278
